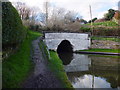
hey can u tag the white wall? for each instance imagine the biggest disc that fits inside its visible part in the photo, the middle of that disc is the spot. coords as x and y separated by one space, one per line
78 40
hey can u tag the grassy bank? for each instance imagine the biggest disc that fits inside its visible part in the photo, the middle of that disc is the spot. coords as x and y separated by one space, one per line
105 23
17 66
107 56
105 28
56 66
103 50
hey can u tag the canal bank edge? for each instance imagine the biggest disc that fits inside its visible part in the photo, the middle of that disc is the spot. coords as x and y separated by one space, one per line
100 53
55 65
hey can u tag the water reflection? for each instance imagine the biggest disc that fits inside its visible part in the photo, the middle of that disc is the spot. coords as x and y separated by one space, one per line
66 57
86 81
92 71
79 63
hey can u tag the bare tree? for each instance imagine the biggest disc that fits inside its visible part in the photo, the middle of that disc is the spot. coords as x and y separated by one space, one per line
23 10
28 14
57 16
70 17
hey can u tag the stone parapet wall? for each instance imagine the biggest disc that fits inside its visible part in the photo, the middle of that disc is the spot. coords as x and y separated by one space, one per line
79 41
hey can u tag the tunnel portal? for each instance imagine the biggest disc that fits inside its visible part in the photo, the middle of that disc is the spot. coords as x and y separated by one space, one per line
65 46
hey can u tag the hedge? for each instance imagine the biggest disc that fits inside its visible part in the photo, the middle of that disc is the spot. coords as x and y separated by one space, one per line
13 31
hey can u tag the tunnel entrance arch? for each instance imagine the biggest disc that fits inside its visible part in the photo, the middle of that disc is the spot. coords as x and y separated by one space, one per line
64 50
65 46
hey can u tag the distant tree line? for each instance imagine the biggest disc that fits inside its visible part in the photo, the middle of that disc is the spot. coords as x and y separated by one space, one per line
52 17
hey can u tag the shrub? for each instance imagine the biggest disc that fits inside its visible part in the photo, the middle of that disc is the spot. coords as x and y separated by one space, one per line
56 28
13 31
35 27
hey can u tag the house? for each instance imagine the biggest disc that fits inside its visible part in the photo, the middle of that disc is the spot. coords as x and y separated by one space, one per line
100 20
116 17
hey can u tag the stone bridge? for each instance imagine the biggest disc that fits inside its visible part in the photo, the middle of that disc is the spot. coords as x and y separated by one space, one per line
79 41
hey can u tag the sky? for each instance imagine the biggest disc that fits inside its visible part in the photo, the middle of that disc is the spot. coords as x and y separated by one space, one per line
98 7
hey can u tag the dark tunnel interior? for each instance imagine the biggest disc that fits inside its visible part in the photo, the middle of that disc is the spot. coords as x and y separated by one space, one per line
64 46
65 52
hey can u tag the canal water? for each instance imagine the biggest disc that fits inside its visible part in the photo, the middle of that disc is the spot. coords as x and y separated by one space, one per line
92 71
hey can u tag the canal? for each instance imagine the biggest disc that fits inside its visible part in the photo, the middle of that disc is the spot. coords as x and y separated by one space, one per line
92 71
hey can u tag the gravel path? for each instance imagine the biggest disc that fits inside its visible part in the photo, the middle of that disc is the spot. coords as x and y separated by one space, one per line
41 77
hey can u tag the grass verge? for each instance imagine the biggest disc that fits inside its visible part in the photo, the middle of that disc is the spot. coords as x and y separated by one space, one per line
107 56
103 50
17 67
56 66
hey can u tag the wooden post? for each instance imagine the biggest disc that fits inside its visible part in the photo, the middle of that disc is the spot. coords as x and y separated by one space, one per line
91 20
91 41
46 11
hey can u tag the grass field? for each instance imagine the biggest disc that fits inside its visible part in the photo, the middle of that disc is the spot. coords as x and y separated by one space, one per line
17 67
106 23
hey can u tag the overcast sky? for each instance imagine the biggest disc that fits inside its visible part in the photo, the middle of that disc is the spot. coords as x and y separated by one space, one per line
99 7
